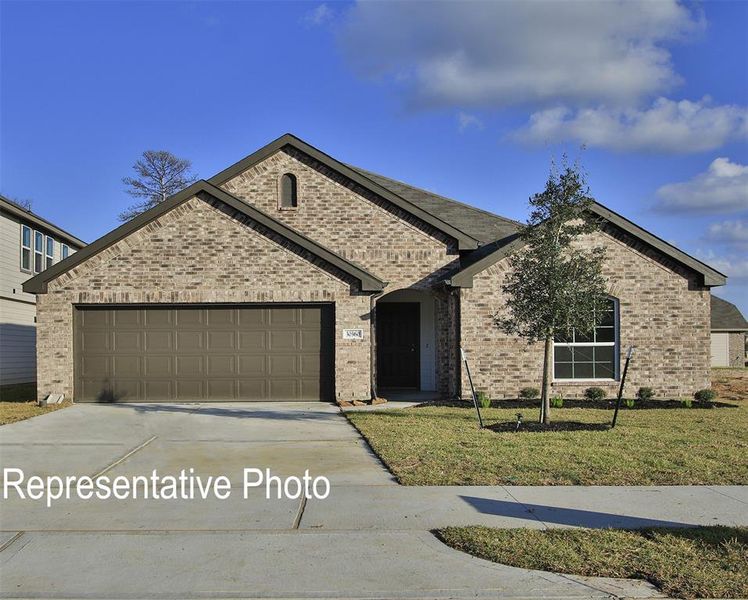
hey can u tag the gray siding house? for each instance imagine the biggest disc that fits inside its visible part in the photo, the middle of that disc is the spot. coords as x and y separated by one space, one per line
729 329
28 245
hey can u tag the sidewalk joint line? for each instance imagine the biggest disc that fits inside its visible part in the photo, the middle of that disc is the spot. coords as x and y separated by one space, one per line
523 505
123 458
300 512
11 540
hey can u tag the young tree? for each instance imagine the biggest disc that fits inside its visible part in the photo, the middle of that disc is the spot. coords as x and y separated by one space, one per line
554 285
159 175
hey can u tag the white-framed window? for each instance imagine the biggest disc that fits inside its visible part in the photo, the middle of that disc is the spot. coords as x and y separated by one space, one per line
592 355
26 248
38 252
64 251
49 255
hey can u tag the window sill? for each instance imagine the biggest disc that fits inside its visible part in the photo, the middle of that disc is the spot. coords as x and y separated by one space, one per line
572 381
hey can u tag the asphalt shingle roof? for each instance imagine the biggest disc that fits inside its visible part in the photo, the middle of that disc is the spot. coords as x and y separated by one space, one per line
726 316
480 224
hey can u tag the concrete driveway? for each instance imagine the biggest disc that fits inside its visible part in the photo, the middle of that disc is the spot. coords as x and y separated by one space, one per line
370 538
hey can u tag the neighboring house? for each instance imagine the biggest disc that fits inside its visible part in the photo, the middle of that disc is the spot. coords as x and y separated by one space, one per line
729 329
293 276
28 245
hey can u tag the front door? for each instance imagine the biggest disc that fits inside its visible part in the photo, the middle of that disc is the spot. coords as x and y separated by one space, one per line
398 344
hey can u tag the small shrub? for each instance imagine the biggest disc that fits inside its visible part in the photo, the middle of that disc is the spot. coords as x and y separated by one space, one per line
645 393
686 402
557 402
483 400
629 402
594 393
529 393
705 396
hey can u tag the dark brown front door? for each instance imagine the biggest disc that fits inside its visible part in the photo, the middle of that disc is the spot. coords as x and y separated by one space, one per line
204 353
398 344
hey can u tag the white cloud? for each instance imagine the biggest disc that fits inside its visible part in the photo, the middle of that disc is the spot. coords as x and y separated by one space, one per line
465 121
729 233
504 53
319 15
722 188
666 126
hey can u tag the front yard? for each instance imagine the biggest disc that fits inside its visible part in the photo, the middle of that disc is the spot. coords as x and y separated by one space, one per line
17 402
441 445
702 562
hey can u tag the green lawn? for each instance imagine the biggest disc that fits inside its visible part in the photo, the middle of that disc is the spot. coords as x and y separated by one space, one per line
441 445
701 562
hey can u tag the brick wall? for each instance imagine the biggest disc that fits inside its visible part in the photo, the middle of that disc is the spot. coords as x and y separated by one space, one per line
364 229
736 349
200 253
663 312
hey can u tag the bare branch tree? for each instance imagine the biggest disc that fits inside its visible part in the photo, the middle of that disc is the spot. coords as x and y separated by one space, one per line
24 203
160 174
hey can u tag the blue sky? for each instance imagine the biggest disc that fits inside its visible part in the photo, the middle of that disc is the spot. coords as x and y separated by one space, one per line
467 99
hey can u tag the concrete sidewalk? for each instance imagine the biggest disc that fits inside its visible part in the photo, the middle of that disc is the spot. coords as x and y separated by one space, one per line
369 538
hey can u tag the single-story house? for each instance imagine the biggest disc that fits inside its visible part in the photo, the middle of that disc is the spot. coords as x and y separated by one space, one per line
28 244
291 275
729 329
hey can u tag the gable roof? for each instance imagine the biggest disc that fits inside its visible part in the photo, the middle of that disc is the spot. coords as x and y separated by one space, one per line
726 316
485 257
9 207
480 224
368 282
465 241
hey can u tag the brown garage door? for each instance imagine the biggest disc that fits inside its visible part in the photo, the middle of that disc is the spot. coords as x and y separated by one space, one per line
201 353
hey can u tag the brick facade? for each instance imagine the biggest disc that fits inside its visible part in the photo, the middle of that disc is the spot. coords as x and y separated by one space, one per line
205 252
199 253
663 312
736 349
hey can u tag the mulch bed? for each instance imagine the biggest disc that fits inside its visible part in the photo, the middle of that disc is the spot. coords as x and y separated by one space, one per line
535 427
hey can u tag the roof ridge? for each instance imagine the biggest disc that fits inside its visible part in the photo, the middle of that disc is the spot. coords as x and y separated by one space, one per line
447 198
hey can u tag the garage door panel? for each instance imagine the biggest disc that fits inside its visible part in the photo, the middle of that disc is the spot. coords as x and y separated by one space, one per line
283 340
221 340
283 366
124 366
284 317
253 341
221 388
95 318
159 341
127 319
127 341
96 341
252 319
190 390
311 341
158 366
189 316
253 365
190 366
90 366
221 366
189 341
176 353
157 391
283 389
221 318
159 319
253 389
